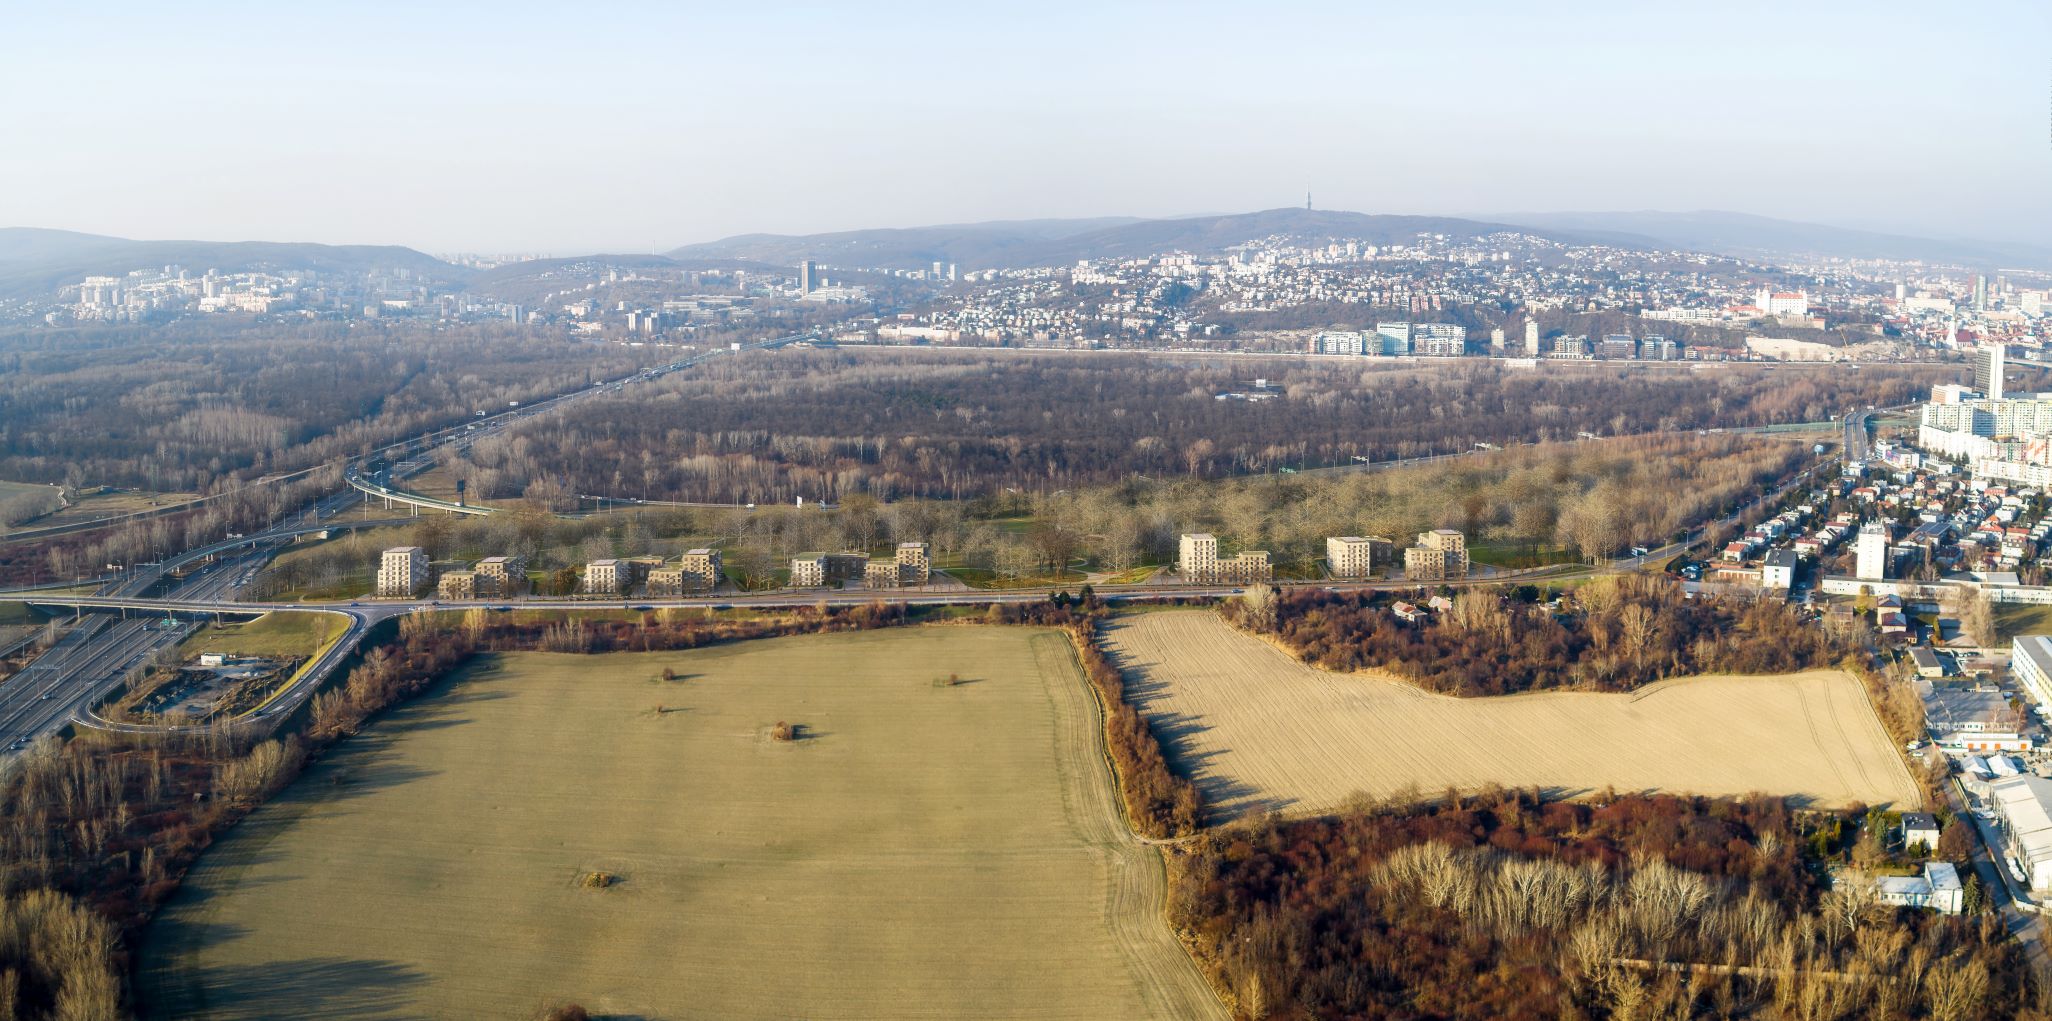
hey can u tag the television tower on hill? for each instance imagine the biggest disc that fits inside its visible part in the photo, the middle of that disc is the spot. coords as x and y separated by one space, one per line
1307 200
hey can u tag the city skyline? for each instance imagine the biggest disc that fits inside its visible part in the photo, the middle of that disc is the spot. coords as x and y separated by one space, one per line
652 128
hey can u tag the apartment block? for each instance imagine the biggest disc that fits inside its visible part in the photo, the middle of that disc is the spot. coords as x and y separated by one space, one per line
1870 552
808 570
1357 556
502 576
703 568
915 563
1199 563
1246 568
880 574
670 580
697 571
457 585
1197 560
602 577
402 572
1440 555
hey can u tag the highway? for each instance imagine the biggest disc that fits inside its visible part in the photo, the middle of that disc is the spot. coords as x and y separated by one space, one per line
1855 427
97 654
380 484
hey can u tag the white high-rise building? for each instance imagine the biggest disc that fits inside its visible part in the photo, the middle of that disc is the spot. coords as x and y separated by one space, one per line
1870 552
402 572
1988 371
1354 556
1197 560
1531 338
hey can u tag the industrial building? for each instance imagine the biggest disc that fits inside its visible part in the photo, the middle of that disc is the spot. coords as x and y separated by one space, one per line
1972 720
2025 805
2030 659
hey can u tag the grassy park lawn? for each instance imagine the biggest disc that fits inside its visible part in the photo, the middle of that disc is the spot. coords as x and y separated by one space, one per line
277 635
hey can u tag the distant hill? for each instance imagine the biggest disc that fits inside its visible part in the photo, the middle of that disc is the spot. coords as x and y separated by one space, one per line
37 261
1002 244
1742 234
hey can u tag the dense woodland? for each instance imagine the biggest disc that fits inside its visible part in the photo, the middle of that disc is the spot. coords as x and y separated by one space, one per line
1613 634
179 408
770 428
1500 905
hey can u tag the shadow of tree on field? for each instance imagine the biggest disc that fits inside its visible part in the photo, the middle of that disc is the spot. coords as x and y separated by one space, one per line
319 987
1225 798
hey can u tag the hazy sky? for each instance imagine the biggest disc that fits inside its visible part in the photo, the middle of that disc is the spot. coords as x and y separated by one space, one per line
563 128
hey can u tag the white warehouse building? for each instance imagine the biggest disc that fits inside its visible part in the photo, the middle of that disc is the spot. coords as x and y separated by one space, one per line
2025 804
2030 658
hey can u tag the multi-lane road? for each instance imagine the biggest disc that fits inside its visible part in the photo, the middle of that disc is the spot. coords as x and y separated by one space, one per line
102 649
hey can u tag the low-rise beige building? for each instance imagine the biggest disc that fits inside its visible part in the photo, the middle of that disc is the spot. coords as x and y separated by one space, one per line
1440 555
881 574
817 570
402 572
457 585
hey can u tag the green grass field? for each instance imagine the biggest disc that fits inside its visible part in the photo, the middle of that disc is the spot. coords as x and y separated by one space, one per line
922 851
1517 555
285 635
2013 619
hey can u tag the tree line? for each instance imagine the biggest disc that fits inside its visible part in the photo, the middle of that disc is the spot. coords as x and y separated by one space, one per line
1612 634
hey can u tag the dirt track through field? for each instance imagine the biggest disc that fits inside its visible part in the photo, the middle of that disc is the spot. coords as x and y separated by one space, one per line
923 851
1261 731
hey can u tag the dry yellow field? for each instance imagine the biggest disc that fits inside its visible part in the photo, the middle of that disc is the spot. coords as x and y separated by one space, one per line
1260 731
921 852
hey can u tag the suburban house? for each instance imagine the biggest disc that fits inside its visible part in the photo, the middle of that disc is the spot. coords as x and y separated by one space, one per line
1920 828
1938 888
